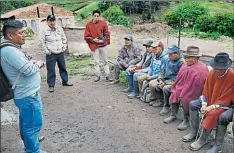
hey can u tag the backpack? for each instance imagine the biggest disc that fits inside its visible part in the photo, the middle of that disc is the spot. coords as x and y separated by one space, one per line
145 92
7 91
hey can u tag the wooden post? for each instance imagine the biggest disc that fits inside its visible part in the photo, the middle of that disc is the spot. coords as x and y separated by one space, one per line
179 34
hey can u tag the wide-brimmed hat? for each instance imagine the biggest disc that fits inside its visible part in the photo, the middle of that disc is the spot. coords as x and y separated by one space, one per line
158 44
192 51
173 49
221 61
129 37
148 43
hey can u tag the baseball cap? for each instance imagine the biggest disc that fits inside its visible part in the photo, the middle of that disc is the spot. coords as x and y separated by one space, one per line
129 37
173 49
158 44
50 17
148 43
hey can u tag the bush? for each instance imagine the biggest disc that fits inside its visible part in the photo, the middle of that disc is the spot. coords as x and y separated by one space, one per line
115 15
205 23
188 12
29 32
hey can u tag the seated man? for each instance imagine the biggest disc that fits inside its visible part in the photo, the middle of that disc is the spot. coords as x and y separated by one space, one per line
160 89
141 68
217 92
188 85
129 54
158 58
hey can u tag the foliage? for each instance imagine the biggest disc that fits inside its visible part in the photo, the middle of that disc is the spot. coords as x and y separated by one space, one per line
86 11
123 78
187 12
7 6
115 15
29 32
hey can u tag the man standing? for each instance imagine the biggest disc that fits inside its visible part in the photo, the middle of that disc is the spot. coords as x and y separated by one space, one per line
188 85
24 73
217 93
97 36
129 55
53 42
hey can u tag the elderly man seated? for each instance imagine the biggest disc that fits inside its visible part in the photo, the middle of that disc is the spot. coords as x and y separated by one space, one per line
141 68
188 85
217 93
160 90
129 55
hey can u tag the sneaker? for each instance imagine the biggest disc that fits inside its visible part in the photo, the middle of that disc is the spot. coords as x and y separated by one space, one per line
67 84
109 79
51 89
41 138
114 82
97 78
42 151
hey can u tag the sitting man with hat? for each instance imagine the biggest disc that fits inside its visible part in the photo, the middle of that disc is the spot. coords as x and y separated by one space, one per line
188 85
160 90
141 68
129 54
217 94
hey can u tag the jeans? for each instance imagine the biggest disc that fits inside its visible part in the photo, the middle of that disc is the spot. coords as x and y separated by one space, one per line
30 121
50 65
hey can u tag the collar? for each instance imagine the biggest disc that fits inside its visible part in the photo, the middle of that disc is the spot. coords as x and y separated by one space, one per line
8 41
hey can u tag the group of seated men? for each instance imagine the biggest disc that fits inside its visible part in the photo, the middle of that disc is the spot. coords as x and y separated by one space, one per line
178 78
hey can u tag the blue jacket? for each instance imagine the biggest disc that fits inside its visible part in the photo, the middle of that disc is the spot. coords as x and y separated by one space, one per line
172 69
157 64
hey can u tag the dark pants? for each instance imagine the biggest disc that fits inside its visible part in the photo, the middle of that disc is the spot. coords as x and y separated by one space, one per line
226 117
50 65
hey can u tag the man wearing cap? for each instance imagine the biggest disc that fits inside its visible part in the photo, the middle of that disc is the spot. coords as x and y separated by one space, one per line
158 58
129 55
217 93
141 68
23 74
188 85
53 42
161 88
97 36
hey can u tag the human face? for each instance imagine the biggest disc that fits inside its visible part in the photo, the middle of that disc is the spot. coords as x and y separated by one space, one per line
51 23
190 60
149 49
219 72
173 56
18 37
96 17
157 50
128 42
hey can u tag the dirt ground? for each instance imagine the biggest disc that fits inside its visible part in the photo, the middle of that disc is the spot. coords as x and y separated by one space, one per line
98 118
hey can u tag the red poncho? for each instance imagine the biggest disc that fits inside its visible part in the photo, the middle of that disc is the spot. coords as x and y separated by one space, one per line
189 83
217 91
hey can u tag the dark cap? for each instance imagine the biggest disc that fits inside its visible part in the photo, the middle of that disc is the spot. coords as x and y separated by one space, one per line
50 17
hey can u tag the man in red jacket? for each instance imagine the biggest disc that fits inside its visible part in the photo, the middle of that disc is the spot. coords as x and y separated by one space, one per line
97 37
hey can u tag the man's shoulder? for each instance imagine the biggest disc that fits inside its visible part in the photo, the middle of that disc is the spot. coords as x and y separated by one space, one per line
9 51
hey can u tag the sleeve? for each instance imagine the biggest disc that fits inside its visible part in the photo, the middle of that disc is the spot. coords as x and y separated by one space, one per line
163 67
64 39
87 35
120 58
20 63
137 55
150 68
42 43
106 32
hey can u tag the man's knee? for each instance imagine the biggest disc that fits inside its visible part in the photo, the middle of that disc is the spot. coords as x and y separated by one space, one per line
166 89
194 105
224 119
153 84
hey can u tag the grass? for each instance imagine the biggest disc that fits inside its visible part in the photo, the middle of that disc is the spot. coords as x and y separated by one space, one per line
87 10
218 7
123 78
77 66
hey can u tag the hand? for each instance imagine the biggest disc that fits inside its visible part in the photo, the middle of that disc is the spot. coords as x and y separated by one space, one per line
203 109
126 65
49 53
137 70
209 108
40 63
161 84
96 40
148 77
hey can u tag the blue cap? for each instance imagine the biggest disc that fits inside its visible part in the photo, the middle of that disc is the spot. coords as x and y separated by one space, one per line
148 43
173 49
129 37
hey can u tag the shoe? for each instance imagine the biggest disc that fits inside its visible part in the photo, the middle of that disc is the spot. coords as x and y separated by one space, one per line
164 111
183 125
132 95
158 104
174 111
202 140
41 138
42 151
151 103
67 84
97 78
108 79
114 82
128 89
51 89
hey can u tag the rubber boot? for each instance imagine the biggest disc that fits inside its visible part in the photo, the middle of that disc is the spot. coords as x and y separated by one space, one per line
164 111
202 140
194 125
130 84
185 123
219 137
174 111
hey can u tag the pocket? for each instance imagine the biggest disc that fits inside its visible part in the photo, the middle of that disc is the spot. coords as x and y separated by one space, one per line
49 37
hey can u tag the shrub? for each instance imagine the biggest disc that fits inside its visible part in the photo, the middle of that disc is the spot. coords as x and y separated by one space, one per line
205 23
29 32
188 12
225 24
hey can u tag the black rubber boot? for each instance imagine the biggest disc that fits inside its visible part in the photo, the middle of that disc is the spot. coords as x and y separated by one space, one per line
174 111
201 141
